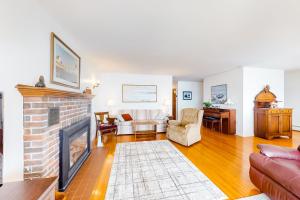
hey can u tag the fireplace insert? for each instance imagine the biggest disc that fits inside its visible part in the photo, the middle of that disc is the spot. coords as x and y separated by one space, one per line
74 150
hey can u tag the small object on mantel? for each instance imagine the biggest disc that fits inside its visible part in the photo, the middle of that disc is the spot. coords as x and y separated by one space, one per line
41 82
87 91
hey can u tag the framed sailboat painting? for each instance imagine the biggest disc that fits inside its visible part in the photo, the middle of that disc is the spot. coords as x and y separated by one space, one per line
65 64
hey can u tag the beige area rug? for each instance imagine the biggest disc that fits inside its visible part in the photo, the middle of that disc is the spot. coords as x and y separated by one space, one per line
157 170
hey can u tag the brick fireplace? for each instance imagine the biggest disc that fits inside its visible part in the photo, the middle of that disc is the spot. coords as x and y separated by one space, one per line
41 108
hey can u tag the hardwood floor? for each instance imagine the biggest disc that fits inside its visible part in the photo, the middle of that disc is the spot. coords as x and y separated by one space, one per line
82 186
224 159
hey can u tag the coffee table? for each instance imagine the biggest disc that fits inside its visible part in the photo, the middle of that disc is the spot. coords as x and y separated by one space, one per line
152 123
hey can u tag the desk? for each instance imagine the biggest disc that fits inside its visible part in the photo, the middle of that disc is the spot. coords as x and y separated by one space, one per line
227 118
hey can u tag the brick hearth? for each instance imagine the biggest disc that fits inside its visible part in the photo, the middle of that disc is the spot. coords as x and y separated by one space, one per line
41 143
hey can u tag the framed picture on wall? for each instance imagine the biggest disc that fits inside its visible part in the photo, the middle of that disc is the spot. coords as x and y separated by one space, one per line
65 64
219 94
187 95
139 93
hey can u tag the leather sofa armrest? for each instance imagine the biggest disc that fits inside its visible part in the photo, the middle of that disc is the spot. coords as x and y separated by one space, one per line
174 122
299 148
286 176
272 151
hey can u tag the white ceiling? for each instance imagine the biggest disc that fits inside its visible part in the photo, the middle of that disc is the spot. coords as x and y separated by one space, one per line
189 39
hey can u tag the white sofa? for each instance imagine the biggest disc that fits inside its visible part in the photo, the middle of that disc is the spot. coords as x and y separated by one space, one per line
125 127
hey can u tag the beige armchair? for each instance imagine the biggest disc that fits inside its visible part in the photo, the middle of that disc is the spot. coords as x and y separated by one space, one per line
187 130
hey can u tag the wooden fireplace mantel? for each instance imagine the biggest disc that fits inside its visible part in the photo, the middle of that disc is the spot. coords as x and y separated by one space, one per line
30 91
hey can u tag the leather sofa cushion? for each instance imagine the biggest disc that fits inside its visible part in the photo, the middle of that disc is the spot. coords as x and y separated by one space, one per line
284 171
279 152
127 117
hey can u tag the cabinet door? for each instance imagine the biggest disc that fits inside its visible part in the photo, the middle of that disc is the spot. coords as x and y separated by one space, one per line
286 123
274 124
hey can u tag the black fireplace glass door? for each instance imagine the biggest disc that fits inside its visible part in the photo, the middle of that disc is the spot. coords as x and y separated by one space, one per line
77 147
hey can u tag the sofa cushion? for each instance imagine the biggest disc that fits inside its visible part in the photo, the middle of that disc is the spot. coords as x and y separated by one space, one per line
153 114
141 114
128 111
180 129
120 118
178 134
273 151
159 121
124 123
127 117
285 172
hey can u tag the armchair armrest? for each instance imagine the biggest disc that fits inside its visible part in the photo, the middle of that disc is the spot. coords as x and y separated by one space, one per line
174 122
279 152
188 126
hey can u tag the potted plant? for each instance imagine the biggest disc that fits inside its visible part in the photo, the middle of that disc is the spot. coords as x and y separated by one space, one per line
207 104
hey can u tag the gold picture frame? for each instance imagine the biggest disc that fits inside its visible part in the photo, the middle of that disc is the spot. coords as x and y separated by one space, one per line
65 64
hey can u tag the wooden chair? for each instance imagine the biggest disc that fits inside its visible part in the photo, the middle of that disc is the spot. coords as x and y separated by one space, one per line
103 127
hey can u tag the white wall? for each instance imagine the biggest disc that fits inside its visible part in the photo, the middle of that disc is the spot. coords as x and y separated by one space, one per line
24 55
197 95
254 81
292 95
234 81
243 84
111 90
1 105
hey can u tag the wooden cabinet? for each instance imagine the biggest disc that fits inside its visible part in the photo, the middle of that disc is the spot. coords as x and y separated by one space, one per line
272 122
269 121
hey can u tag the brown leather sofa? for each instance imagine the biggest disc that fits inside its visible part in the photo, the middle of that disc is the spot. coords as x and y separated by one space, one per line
276 172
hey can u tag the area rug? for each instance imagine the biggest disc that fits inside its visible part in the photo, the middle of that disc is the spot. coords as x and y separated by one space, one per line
157 170
256 197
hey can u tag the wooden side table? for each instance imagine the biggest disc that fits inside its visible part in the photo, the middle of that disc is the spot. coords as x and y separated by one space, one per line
36 189
135 124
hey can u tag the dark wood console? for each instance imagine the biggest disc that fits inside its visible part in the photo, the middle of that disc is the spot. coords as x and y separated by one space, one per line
227 118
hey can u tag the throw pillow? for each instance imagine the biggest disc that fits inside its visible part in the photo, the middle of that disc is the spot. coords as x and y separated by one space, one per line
127 117
120 118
